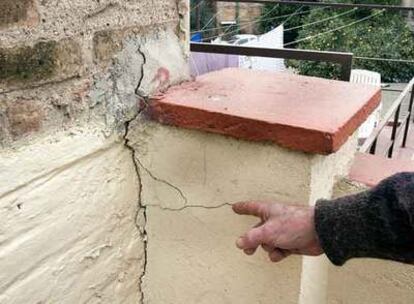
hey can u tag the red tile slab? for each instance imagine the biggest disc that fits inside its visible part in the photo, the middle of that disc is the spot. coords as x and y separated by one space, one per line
303 113
371 169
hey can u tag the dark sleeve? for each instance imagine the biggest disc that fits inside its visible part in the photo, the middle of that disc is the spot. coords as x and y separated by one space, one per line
378 223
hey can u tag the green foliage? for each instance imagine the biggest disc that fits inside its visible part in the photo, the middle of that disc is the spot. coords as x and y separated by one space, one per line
270 18
206 13
385 36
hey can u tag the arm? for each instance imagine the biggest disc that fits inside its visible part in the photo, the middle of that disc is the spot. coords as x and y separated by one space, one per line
378 223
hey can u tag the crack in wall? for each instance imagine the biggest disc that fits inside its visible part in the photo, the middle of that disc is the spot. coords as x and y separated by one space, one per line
163 181
138 90
191 206
141 209
182 11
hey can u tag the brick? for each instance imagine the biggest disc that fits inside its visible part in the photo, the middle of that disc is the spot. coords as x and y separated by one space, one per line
23 117
44 62
106 44
17 12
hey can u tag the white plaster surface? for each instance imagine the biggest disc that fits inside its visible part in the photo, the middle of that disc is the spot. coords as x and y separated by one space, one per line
185 167
67 231
192 259
189 178
325 172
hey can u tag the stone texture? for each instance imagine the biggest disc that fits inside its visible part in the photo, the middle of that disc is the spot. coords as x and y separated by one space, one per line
24 117
68 232
94 45
72 18
17 12
143 67
28 114
302 113
106 44
43 62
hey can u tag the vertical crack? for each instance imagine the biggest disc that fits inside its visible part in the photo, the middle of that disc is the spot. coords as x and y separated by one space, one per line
138 90
141 209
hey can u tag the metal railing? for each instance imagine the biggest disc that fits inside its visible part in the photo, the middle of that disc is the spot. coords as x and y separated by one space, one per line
343 59
332 5
399 127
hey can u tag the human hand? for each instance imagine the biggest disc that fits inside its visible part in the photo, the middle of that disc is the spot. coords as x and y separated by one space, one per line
282 231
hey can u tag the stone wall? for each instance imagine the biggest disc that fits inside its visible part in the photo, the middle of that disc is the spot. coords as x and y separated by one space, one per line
56 57
73 73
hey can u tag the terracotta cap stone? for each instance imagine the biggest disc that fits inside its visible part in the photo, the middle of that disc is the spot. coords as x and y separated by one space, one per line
303 113
370 170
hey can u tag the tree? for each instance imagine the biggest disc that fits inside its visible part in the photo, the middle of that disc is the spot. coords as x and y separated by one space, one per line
274 15
386 35
207 11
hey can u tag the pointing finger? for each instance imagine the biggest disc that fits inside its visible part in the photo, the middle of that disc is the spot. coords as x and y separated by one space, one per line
258 209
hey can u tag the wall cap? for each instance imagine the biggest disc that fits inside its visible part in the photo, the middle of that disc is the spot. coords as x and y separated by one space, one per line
308 114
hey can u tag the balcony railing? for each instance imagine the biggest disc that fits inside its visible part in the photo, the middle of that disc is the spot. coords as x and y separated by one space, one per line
399 127
343 59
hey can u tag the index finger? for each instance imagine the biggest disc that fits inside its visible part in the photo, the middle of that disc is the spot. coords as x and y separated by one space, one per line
258 209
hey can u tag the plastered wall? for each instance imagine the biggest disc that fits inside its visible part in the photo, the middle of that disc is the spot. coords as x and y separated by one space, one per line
68 233
72 76
188 179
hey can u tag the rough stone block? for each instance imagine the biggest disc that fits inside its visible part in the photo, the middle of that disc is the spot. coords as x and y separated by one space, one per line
17 12
27 114
24 117
43 62
106 44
